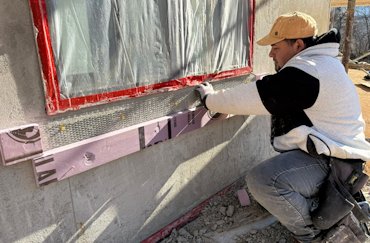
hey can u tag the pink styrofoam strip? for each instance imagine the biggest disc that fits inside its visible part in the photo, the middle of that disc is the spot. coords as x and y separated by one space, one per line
61 163
20 144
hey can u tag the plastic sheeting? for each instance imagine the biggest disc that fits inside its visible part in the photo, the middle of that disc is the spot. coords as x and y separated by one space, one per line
108 45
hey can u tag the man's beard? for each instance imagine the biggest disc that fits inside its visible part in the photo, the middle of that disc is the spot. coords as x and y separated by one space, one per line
277 68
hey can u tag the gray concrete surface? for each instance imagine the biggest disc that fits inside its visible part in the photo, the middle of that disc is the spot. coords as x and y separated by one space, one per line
129 199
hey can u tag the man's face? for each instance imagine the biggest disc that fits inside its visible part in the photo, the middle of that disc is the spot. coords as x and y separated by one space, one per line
283 51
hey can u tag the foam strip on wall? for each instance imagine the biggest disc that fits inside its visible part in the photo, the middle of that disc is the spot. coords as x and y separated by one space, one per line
20 144
63 162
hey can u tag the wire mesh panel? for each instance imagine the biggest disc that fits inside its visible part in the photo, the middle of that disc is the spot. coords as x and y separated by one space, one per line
103 119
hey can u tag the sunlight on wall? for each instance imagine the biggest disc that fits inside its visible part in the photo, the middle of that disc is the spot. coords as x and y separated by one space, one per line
100 224
39 235
182 176
96 224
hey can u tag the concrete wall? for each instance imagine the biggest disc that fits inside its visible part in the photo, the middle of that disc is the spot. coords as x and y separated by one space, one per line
129 199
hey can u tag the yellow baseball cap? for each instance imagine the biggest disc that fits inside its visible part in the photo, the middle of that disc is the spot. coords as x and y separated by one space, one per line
295 25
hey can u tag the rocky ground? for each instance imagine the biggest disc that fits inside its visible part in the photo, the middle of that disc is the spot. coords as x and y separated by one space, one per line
224 219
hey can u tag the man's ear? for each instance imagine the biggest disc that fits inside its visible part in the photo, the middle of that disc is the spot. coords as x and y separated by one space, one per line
300 45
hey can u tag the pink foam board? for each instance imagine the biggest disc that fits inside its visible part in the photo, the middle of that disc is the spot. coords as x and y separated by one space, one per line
63 162
154 133
190 120
20 144
243 197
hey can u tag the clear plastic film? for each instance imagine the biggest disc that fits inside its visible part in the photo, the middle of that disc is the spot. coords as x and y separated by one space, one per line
108 45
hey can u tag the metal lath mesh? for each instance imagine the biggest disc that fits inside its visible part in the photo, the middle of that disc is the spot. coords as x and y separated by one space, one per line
91 122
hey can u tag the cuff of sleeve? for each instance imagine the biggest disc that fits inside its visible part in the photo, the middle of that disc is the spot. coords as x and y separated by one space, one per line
204 101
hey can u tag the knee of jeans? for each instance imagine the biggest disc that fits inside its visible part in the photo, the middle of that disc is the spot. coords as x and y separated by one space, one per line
257 178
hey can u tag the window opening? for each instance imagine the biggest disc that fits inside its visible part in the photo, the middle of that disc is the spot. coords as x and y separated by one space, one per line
94 52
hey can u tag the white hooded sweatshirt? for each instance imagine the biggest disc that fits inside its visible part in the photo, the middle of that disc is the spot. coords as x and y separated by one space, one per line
310 97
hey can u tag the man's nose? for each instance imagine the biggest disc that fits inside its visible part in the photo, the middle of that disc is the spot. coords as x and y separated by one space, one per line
271 54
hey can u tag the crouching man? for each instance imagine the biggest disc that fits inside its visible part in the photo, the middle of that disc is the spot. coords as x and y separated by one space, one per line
315 118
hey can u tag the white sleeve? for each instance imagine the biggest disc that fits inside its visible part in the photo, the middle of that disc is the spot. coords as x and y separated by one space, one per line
243 99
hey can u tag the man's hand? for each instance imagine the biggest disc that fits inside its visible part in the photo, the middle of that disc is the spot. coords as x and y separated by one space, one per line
202 90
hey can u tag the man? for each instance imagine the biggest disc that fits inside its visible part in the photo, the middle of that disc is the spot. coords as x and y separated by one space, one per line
316 115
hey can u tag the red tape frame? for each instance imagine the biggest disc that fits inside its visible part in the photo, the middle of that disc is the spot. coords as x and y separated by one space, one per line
56 104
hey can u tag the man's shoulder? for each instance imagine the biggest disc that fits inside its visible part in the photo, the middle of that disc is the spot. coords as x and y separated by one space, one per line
291 72
329 50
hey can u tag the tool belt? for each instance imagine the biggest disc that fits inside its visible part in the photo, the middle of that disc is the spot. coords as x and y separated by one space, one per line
338 194
342 211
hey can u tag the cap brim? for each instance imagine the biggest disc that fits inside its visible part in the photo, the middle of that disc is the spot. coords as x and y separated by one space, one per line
269 40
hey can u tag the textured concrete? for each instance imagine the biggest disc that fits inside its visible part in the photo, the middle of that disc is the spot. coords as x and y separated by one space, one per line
129 199
147 197
30 214
21 91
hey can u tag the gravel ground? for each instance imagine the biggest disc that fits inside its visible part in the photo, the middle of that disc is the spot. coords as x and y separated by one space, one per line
225 220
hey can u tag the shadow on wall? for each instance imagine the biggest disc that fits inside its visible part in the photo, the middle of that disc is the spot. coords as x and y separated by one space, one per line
134 197
236 152
131 206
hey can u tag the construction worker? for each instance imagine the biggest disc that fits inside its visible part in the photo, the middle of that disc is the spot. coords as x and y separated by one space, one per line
315 117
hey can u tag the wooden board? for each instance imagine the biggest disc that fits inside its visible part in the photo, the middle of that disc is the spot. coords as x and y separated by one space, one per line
63 162
366 84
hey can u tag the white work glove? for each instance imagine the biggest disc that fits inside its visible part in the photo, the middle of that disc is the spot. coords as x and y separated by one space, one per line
203 90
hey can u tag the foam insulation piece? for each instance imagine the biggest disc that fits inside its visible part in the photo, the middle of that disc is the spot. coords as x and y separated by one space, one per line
92 122
243 197
20 144
63 162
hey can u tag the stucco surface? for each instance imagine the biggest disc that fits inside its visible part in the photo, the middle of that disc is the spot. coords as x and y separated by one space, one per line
21 93
31 214
172 177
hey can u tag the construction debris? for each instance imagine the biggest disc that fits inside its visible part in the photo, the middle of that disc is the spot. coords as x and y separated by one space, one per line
367 76
366 54
243 197
359 65
225 219
232 217
365 84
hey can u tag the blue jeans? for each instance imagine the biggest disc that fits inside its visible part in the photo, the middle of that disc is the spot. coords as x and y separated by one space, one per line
287 185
